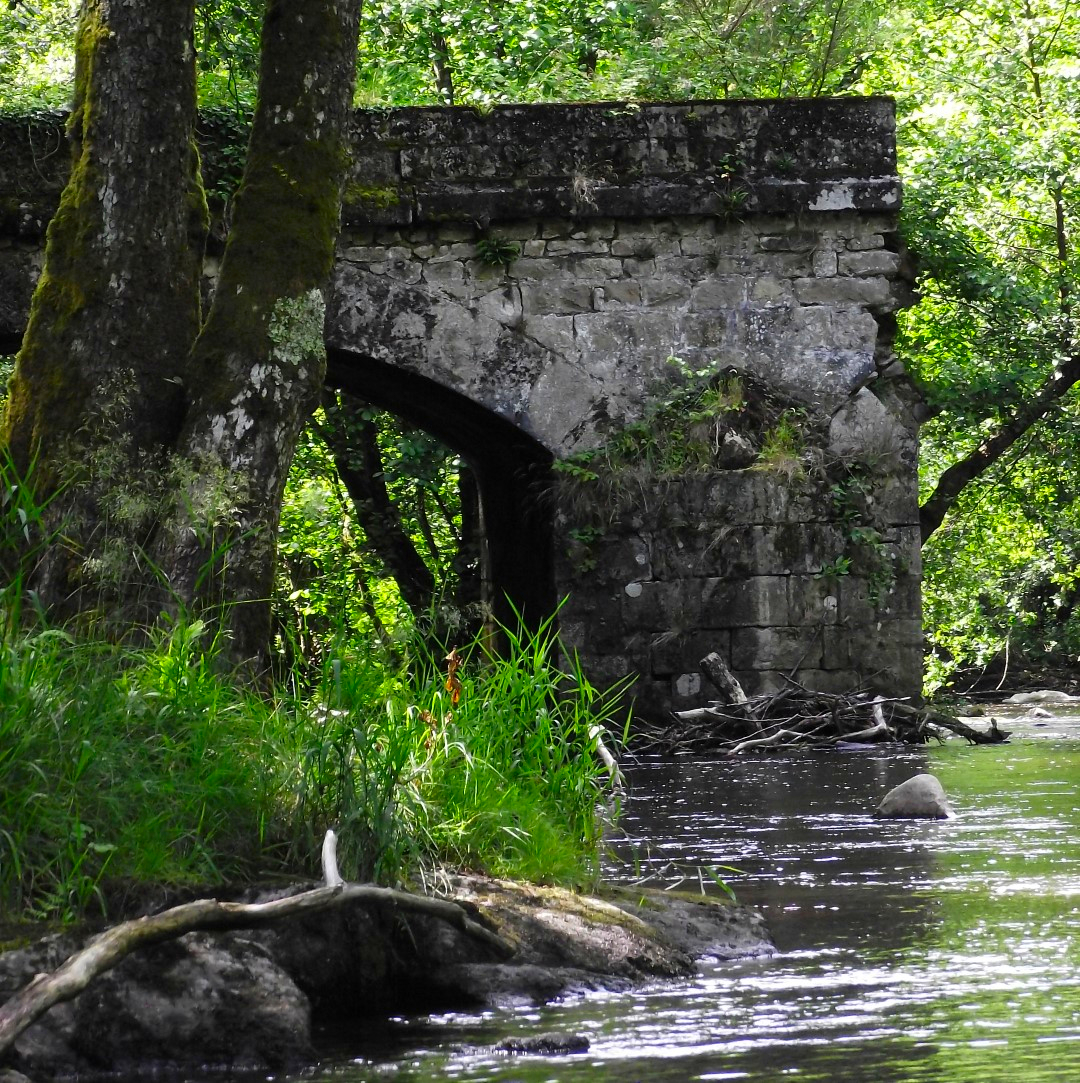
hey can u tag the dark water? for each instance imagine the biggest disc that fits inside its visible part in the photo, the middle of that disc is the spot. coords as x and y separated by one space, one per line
909 950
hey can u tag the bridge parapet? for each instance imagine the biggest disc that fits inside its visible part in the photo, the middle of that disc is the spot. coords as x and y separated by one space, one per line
612 160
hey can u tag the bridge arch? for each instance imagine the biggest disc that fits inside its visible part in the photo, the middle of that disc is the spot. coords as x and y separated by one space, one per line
512 470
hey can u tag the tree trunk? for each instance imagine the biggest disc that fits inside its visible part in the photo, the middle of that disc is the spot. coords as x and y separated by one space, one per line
353 442
96 398
259 361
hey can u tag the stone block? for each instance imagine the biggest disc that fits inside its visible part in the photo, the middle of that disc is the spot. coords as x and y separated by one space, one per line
687 686
619 345
791 240
761 682
701 242
538 269
759 600
873 262
594 270
524 230
824 263
645 247
693 331
449 278
865 242
794 547
722 292
889 654
622 292
564 297
784 648
503 304
621 560
785 264
813 600
842 291
570 246
838 682
771 290
895 499
836 647
665 290
555 333
654 606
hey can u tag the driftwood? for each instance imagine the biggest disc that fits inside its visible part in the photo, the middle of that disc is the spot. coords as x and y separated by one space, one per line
798 716
113 945
726 683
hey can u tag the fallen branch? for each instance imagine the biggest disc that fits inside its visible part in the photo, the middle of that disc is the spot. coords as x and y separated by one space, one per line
795 713
778 737
113 945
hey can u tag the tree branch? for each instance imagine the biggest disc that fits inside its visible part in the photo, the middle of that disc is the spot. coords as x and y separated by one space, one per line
953 480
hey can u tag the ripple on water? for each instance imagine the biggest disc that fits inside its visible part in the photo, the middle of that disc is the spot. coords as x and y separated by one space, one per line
913 952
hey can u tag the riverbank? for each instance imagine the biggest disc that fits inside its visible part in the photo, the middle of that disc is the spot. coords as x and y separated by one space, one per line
253 999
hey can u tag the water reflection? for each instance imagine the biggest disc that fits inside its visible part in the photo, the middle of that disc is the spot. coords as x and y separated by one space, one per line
912 951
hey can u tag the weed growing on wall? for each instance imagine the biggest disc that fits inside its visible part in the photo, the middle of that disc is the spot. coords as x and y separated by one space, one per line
700 420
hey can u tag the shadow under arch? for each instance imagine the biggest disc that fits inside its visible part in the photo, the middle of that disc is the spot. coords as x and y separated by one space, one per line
513 473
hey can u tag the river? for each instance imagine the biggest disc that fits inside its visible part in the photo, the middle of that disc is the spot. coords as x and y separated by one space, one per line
907 950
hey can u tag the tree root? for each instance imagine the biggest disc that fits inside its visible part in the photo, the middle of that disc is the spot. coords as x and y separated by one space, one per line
113 945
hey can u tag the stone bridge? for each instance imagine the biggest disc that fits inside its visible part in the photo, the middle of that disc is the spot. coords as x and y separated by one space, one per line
517 282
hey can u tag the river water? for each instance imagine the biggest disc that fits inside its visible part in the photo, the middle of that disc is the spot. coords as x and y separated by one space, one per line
908 950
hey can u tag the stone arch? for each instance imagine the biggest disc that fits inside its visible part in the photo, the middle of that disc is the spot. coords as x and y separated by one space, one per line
514 281
512 469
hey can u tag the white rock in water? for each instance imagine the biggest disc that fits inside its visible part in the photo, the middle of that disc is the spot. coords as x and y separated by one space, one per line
1044 695
922 796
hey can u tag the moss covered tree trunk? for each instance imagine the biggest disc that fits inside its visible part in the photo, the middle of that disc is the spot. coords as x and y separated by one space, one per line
96 397
260 360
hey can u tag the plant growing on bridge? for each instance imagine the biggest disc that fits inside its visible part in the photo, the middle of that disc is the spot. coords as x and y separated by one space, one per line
497 251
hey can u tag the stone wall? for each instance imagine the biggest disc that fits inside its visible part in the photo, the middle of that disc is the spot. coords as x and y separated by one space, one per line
541 265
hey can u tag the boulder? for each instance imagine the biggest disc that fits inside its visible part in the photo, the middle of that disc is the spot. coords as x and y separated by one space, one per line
549 1044
920 797
245 1000
1043 695
200 1000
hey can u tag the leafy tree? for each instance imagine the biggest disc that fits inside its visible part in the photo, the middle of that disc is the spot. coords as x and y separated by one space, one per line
177 435
36 58
990 150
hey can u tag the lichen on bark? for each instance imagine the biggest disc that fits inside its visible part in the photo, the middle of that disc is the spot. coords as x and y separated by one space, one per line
297 328
113 317
260 359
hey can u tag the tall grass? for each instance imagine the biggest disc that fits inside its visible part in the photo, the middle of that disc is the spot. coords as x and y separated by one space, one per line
497 771
124 766
121 767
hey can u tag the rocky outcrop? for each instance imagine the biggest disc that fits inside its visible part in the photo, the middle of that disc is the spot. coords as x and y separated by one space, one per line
247 999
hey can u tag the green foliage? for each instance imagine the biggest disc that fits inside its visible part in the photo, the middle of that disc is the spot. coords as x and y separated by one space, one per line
36 55
120 767
783 447
497 251
227 46
144 766
989 133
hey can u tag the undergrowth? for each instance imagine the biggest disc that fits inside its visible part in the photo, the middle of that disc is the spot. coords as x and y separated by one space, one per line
122 767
